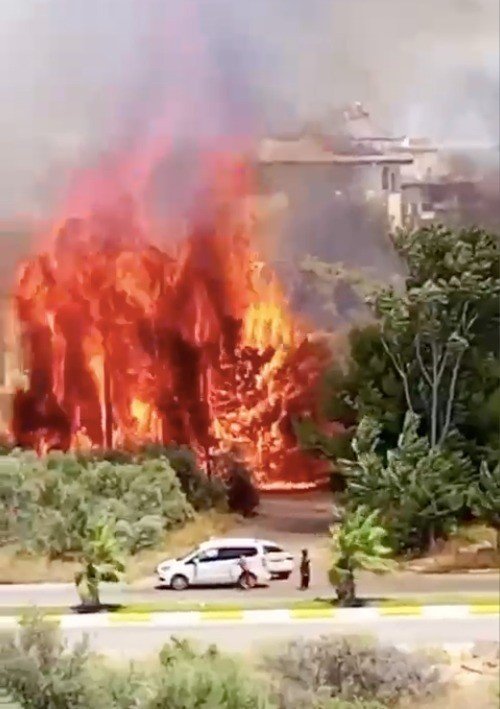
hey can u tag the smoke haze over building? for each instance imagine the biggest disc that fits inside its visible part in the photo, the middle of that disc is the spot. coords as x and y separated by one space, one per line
81 78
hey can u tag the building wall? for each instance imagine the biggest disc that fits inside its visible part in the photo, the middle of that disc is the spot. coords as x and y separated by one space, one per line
335 212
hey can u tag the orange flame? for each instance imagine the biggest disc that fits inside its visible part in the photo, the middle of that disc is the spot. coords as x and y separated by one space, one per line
129 343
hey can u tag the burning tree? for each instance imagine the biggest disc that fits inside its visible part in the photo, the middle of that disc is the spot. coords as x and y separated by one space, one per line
129 342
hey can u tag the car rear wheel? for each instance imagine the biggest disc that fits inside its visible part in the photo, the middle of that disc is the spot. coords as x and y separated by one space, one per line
249 582
282 576
179 583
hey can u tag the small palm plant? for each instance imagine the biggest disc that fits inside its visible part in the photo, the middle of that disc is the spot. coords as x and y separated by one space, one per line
101 561
358 543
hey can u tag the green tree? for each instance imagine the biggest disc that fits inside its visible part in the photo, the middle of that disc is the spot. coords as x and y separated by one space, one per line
484 497
433 348
447 312
420 491
101 561
358 543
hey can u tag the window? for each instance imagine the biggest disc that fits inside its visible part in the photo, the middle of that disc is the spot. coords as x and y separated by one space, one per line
385 178
393 182
270 549
236 552
207 555
229 553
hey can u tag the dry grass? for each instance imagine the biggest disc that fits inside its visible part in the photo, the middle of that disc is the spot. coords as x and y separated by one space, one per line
461 552
22 568
480 694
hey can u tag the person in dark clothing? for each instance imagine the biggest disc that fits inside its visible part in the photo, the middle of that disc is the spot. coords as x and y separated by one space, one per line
305 570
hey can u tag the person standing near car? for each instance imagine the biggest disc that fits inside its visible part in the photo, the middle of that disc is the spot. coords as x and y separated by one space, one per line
245 573
305 570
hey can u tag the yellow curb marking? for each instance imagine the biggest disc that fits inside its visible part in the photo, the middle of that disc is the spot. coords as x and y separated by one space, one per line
485 609
312 613
222 615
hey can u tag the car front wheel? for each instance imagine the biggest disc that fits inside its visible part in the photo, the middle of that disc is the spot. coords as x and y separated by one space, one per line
179 583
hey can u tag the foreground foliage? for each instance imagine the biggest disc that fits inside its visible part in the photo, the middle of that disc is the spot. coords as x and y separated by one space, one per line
358 543
350 669
39 671
101 562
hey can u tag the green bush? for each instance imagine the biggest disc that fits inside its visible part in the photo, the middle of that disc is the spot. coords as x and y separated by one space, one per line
47 503
242 495
349 670
190 679
202 492
40 672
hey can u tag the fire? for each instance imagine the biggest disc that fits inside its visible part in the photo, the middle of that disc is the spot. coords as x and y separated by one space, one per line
129 342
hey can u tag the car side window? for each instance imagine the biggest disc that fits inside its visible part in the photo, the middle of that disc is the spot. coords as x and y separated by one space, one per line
207 555
270 548
236 552
248 551
229 553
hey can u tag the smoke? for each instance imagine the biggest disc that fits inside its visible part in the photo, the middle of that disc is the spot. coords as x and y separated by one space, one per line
84 78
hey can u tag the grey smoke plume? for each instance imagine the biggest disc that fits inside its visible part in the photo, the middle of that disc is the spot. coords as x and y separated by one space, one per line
82 77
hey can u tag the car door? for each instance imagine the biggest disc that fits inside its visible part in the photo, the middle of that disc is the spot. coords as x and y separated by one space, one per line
206 571
229 568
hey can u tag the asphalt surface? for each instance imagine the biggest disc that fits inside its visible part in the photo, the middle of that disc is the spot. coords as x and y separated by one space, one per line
134 642
402 585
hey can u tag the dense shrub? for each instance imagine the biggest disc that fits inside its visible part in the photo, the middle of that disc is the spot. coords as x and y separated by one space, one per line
190 679
40 672
202 492
242 495
46 503
349 669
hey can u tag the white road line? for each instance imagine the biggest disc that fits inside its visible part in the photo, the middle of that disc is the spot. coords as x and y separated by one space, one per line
442 612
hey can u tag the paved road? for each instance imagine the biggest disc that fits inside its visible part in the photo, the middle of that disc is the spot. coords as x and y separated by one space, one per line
295 521
370 586
132 641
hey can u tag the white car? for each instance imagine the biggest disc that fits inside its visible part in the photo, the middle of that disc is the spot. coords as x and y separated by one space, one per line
216 562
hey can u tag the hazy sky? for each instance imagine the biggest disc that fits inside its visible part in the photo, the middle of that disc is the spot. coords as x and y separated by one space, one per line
78 77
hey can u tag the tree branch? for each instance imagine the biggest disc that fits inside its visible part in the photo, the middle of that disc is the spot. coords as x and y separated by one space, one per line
451 399
401 373
420 360
434 395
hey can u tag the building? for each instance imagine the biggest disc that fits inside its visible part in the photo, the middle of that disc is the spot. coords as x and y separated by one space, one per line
363 134
307 170
432 200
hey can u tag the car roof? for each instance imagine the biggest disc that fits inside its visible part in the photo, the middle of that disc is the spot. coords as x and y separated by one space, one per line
235 541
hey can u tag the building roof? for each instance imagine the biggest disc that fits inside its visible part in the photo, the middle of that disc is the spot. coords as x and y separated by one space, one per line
308 150
360 126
